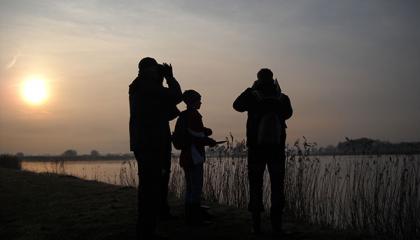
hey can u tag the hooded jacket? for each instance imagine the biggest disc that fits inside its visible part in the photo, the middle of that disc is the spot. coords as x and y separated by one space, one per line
263 97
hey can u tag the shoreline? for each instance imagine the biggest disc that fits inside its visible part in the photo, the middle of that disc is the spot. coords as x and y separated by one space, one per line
50 206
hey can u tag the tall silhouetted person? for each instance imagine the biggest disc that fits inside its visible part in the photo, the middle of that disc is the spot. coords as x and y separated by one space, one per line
268 109
152 106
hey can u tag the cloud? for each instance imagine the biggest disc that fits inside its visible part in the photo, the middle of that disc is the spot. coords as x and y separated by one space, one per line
12 62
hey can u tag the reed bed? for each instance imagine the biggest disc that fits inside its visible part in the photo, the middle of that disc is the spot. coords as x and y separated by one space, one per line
374 194
379 195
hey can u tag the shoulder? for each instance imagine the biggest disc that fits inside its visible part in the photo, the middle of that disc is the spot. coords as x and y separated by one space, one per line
183 114
193 114
285 100
285 97
133 86
249 92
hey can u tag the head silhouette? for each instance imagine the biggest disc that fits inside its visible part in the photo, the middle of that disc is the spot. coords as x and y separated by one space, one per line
265 75
150 69
146 63
192 99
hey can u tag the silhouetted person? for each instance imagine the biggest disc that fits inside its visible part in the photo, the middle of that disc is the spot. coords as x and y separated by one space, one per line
152 106
267 108
193 156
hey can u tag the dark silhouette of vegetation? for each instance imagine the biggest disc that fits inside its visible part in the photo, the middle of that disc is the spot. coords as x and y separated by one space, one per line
20 155
367 146
84 157
70 153
9 161
375 194
94 153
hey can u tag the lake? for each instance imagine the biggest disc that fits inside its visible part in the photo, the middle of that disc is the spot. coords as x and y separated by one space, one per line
107 171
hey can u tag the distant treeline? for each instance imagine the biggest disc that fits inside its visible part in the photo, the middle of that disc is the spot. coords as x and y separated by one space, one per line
84 157
127 156
72 154
359 146
366 146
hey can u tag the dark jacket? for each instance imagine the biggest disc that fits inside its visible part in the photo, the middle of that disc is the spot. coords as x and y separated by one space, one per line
151 108
194 123
274 100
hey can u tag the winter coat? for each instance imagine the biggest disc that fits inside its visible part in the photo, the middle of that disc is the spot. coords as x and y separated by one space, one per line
151 108
198 135
273 100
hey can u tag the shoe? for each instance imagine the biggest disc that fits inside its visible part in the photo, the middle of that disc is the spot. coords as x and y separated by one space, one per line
256 223
205 214
153 236
194 216
168 217
205 207
277 233
188 214
159 237
277 226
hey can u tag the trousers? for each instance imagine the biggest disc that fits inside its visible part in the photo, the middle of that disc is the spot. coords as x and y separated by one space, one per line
194 184
272 157
153 173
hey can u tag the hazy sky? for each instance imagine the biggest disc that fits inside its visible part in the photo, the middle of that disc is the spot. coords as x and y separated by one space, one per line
351 68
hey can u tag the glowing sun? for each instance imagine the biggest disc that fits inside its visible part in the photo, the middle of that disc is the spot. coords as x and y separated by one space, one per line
34 91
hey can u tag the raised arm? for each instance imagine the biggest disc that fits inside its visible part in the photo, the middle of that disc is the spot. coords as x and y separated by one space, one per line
244 101
286 111
175 92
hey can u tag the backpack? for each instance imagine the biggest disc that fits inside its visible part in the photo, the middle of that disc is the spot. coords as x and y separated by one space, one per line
180 136
269 129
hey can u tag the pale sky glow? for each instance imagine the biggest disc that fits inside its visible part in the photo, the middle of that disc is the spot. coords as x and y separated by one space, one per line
34 90
351 68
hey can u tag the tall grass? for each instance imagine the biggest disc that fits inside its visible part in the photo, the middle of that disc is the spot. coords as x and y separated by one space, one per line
373 194
368 193
128 174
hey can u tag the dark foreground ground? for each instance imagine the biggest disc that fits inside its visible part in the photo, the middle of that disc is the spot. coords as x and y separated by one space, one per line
46 206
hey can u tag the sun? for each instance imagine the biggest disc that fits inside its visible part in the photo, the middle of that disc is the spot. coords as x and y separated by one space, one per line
34 91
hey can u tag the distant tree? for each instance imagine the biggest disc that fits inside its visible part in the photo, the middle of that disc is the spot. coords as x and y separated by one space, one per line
69 153
20 155
94 153
371 146
330 149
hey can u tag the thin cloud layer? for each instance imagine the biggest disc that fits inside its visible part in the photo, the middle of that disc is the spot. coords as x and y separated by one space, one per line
349 67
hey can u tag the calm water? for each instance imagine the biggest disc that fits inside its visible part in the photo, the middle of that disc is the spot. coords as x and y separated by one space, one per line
116 172
121 172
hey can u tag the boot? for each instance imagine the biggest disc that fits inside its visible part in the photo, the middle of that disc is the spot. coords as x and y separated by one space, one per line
196 216
276 224
188 214
205 214
167 216
256 223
